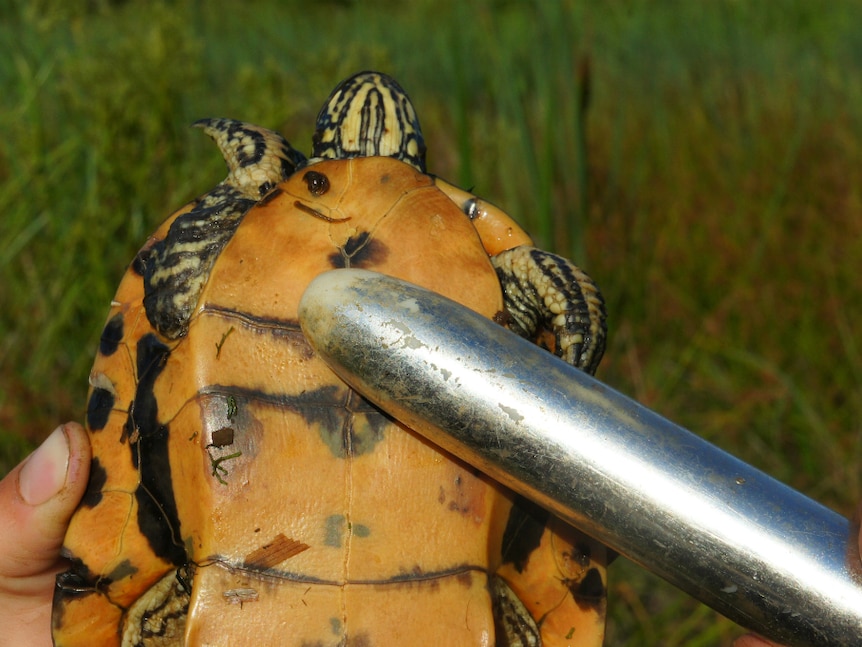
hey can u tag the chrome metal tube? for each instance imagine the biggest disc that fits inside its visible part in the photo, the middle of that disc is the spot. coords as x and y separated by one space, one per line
755 550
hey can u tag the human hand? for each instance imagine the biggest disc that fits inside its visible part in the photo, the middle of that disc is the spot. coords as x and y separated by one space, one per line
37 499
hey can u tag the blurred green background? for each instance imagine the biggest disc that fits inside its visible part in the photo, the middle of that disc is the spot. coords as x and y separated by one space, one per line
699 159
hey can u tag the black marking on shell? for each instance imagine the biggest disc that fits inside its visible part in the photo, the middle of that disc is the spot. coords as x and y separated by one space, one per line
65 589
369 114
346 422
148 441
523 532
360 250
79 576
589 591
99 408
348 432
95 484
75 583
324 397
112 335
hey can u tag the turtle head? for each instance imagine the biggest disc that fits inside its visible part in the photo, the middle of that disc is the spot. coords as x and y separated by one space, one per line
369 114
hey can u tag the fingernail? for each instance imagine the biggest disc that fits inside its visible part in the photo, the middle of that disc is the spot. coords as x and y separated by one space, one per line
44 473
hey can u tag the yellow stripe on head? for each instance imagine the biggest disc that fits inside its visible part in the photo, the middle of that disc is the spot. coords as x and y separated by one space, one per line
369 115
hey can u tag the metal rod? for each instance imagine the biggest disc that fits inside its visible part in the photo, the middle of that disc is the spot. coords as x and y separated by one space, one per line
757 551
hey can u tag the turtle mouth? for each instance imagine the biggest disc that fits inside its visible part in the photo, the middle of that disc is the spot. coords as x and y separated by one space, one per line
314 212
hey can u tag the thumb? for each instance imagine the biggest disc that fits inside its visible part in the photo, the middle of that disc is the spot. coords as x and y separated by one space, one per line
37 499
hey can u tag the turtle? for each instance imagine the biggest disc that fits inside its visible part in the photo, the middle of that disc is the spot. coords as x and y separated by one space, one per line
240 493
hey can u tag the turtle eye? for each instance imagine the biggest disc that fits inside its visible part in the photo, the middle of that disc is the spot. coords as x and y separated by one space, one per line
318 183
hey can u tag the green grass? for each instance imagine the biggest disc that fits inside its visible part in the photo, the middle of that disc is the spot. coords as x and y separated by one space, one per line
699 159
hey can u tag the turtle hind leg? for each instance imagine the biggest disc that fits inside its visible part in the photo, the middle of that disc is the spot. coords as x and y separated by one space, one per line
552 302
513 623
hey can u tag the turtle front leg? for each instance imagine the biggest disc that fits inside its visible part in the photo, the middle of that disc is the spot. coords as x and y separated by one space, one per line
551 301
